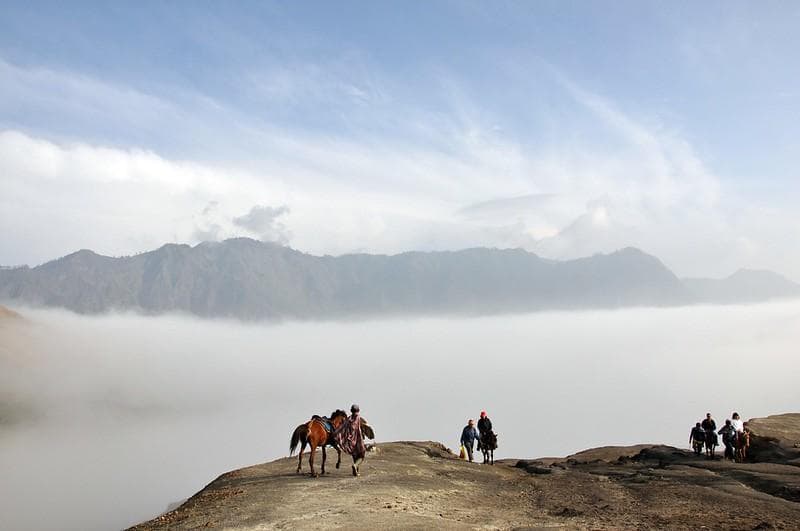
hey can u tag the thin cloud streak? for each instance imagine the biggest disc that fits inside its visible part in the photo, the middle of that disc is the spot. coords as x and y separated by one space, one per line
387 193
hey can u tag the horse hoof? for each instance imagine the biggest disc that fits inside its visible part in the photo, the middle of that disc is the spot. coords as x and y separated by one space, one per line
337 466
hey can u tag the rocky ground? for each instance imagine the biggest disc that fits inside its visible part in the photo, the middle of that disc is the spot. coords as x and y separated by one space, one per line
421 485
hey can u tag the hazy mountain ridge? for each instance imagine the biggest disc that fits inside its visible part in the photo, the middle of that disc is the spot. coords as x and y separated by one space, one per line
745 285
249 279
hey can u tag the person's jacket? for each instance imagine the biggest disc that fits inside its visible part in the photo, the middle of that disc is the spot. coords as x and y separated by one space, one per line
468 435
727 433
484 425
709 424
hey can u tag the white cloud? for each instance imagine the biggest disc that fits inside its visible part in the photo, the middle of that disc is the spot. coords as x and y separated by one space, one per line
263 221
443 180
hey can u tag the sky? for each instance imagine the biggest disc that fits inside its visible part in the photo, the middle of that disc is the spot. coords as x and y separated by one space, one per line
565 128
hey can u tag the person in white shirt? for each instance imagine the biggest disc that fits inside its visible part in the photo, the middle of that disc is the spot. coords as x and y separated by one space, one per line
737 423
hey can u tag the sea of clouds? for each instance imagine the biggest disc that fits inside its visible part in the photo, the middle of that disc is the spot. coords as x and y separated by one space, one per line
119 416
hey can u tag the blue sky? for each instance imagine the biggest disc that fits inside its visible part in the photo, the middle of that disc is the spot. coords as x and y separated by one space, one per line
566 128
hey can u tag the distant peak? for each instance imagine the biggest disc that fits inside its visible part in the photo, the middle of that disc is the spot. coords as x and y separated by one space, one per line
170 247
243 240
761 274
85 252
746 271
630 251
81 255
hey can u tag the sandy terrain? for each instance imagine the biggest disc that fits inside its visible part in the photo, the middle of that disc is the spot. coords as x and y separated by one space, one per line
421 485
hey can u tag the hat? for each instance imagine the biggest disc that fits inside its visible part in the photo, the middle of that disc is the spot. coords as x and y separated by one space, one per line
354 408
483 414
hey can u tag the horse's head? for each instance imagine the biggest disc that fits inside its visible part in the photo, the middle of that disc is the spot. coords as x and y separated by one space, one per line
337 417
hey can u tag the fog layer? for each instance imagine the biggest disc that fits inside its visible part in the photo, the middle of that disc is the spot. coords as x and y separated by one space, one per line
107 420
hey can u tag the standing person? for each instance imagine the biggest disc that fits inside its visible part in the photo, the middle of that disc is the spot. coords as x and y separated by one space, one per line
728 438
697 437
468 436
350 438
710 427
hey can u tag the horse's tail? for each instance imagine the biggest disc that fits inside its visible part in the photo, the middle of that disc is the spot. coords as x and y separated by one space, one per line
298 436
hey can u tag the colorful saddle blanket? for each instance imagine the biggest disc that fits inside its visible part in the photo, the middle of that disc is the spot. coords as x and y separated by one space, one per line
325 421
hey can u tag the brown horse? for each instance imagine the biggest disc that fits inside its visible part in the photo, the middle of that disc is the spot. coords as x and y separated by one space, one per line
742 444
317 432
488 446
711 443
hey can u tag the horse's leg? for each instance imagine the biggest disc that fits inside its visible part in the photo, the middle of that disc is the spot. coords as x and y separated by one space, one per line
324 458
338 456
300 457
312 451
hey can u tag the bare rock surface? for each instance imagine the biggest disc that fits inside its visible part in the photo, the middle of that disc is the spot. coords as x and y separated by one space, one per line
422 485
776 434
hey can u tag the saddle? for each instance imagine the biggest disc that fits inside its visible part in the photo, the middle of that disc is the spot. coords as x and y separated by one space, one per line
325 421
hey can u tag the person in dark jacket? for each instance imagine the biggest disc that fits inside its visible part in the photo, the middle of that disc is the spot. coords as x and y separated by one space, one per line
708 423
697 439
710 427
484 426
728 433
468 436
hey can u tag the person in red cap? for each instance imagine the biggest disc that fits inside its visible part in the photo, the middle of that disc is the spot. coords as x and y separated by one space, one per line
484 426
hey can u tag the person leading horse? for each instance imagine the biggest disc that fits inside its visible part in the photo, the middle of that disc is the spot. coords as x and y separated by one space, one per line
350 438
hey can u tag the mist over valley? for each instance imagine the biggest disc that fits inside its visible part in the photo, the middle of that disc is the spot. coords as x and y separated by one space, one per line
108 419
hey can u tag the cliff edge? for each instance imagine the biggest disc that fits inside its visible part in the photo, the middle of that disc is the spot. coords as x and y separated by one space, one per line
422 485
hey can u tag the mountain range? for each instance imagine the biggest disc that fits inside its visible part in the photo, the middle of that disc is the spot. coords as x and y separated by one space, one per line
253 280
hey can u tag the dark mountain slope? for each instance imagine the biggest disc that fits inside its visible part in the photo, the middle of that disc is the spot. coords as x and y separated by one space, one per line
249 279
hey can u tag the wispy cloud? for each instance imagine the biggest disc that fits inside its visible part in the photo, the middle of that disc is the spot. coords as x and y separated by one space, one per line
442 179
264 222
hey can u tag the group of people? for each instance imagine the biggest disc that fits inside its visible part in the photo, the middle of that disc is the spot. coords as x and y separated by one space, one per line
469 435
704 434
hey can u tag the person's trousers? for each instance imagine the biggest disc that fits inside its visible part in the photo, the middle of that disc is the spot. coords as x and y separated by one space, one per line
469 451
729 450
